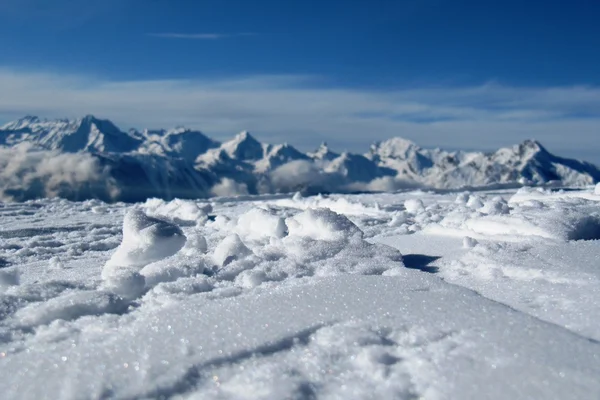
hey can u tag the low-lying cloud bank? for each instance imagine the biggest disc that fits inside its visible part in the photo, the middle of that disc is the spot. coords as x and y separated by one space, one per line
30 173
27 173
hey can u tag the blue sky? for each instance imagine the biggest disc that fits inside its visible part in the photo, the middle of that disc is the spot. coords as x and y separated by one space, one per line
463 73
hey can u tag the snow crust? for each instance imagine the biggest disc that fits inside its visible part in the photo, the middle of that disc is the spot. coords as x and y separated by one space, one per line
409 295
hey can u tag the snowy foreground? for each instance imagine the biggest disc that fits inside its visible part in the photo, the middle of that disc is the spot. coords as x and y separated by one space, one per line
410 295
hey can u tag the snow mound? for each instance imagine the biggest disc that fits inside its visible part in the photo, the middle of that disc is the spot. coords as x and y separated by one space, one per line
269 302
258 223
528 194
322 224
533 214
230 249
414 206
262 247
69 307
339 205
145 240
179 211
322 242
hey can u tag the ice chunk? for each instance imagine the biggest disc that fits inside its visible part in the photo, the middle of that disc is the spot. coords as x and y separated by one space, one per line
251 278
145 240
399 218
475 202
462 198
414 206
597 189
338 205
258 223
469 242
178 211
230 249
195 244
125 282
165 271
495 206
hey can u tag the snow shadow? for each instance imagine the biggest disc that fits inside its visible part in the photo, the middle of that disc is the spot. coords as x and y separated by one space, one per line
587 229
197 374
420 262
30 232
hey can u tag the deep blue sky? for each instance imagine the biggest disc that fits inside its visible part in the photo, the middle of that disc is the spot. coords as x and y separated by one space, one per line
370 48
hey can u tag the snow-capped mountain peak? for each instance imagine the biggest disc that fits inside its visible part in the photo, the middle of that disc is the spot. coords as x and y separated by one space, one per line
85 134
20 123
323 153
244 147
531 147
186 163
394 148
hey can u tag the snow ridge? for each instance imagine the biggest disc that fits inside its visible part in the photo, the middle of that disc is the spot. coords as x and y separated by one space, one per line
185 163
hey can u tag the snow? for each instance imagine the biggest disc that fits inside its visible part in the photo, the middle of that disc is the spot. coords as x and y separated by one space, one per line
182 163
490 294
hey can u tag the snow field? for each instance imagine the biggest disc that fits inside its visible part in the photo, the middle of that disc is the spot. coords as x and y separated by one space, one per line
407 295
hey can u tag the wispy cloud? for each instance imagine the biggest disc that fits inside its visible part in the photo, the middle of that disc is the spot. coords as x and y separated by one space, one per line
200 36
304 112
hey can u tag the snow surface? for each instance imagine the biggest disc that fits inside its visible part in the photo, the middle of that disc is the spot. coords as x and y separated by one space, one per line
412 295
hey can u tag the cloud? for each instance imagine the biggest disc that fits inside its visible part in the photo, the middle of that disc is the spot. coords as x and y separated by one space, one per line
297 175
304 111
200 36
27 173
229 187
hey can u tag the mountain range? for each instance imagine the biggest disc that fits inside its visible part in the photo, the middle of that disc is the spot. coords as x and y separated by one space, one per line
92 158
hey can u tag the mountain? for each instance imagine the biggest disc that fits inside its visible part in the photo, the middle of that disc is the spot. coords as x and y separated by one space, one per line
69 158
86 134
178 142
526 163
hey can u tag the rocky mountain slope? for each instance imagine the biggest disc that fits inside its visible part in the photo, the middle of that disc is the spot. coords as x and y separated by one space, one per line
135 165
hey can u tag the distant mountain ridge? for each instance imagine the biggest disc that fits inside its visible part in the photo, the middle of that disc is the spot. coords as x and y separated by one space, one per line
186 163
